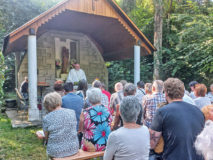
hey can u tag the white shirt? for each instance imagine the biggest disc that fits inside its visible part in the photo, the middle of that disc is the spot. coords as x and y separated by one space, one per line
76 75
188 99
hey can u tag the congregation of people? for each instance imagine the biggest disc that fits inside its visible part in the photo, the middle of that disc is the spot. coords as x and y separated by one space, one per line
159 120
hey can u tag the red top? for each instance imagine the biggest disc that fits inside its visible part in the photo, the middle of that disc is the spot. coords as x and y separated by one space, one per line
107 94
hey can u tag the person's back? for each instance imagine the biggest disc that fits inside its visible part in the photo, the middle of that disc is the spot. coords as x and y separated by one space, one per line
24 88
188 99
150 106
130 143
180 123
140 93
74 102
61 127
200 102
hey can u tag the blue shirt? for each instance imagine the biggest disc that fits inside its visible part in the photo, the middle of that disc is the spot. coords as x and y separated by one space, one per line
74 102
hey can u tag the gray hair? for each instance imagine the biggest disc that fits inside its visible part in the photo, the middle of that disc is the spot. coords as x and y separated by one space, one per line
52 101
129 89
148 87
204 141
158 84
130 109
94 95
96 84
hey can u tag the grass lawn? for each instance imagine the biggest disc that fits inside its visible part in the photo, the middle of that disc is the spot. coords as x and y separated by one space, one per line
19 144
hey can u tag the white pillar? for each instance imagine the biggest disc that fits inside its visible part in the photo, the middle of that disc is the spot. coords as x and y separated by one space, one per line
32 78
136 64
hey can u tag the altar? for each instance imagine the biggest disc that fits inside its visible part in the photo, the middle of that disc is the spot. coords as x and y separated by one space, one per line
88 32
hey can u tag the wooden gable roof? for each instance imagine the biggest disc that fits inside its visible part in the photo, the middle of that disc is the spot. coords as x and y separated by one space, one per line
102 20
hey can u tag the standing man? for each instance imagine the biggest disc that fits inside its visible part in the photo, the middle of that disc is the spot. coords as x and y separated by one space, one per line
192 86
76 74
178 122
72 101
116 97
24 88
140 91
152 102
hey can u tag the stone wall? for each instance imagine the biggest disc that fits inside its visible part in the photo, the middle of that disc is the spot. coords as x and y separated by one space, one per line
90 58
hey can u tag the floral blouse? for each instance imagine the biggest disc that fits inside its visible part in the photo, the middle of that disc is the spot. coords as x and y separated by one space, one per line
97 122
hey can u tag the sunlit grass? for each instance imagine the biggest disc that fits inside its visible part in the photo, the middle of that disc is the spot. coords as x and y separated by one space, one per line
19 144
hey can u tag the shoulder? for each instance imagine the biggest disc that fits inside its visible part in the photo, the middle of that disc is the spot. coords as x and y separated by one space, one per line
210 94
115 134
81 70
67 111
72 70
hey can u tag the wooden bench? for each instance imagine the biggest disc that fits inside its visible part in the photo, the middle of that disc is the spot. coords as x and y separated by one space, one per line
82 155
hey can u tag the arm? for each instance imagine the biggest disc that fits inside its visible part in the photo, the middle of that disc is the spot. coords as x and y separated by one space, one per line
117 119
111 147
46 135
81 123
84 75
154 138
156 129
69 77
45 130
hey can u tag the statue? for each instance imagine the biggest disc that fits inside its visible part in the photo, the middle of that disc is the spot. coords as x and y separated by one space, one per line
65 59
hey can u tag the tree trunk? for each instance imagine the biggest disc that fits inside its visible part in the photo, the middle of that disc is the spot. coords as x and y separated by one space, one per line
158 32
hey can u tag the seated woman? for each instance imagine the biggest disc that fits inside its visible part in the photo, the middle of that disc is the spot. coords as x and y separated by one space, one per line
200 92
95 123
58 87
82 88
132 140
129 90
59 127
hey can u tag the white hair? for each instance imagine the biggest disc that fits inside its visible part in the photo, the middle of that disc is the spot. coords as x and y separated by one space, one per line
158 85
204 141
94 95
118 86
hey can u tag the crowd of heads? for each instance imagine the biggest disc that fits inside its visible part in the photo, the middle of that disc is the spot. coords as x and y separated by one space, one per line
172 88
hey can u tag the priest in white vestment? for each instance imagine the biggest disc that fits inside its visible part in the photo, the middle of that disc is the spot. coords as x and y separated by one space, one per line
76 74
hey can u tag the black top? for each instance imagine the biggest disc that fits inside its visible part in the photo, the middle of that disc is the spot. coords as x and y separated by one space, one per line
24 87
180 123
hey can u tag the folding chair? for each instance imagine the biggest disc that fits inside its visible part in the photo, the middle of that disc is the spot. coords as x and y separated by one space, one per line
22 103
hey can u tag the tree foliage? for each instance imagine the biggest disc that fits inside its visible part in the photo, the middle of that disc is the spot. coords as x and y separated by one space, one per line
13 14
187 39
189 55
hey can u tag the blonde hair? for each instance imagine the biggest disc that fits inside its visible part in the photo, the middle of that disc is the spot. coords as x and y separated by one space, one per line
148 87
204 141
52 101
206 111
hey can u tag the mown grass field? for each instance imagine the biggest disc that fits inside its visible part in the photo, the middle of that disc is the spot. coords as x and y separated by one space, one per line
19 144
